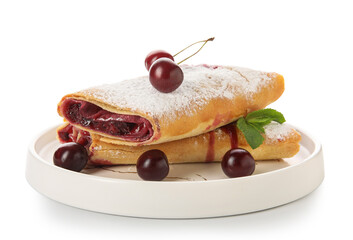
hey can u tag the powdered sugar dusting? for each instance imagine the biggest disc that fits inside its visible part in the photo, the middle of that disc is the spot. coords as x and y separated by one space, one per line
201 84
276 131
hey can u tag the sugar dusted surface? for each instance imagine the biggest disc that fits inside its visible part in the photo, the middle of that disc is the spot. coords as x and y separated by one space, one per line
276 131
201 84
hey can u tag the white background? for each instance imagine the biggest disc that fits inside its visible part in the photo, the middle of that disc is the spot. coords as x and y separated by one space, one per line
50 48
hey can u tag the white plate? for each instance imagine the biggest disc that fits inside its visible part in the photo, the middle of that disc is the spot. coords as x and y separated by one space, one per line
190 190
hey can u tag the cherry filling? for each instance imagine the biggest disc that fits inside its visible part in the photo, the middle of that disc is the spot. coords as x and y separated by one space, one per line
72 134
91 116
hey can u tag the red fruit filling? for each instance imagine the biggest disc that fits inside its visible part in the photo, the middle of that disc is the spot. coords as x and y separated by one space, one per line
73 134
93 117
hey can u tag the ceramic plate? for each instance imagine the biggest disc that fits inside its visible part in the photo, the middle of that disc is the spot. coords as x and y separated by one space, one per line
194 190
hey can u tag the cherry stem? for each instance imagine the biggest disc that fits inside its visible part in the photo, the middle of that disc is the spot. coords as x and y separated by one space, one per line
204 41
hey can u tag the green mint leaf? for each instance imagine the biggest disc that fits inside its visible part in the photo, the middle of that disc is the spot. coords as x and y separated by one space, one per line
265 116
252 126
251 133
259 127
261 122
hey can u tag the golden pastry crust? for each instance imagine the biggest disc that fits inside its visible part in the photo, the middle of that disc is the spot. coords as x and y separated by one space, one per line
198 148
216 112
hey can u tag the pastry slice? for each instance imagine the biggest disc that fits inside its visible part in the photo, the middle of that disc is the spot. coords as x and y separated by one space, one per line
281 141
133 113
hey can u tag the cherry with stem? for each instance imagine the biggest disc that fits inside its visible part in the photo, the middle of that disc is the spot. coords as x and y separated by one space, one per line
164 74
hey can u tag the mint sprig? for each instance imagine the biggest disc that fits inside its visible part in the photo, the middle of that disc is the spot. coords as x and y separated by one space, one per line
252 126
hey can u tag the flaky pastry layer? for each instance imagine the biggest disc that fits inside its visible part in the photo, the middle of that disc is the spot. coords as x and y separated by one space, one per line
207 147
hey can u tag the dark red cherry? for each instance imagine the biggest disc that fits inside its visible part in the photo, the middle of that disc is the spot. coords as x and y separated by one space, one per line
71 156
238 162
165 75
154 55
152 165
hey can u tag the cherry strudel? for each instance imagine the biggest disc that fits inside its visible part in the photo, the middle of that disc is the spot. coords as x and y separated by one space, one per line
133 113
281 141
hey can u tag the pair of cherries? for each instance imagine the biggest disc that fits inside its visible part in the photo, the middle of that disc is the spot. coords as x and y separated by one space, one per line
153 164
165 75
